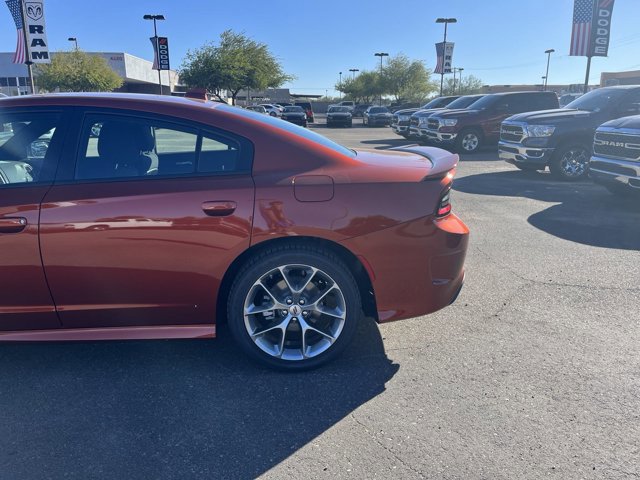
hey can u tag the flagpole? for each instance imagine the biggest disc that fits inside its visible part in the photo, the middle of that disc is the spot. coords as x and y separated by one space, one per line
586 77
28 62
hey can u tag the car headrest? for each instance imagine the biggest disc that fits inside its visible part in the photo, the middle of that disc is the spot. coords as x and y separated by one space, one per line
119 138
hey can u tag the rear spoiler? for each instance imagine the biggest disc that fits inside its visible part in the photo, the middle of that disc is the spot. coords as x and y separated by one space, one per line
442 162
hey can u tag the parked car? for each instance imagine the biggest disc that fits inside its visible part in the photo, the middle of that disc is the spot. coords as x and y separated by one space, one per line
616 155
375 116
562 139
271 109
244 216
295 115
257 108
347 103
469 129
359 109
418 121
307 109
400 122
339 115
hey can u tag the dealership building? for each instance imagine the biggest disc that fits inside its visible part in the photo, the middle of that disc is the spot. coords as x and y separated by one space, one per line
137 74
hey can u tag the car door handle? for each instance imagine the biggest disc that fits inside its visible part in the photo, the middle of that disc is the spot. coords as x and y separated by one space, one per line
219 209
12 224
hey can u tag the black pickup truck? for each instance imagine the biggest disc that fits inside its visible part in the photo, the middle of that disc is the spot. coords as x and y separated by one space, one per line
616 155
562 139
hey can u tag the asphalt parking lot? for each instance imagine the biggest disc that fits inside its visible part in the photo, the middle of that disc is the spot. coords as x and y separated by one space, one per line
533 373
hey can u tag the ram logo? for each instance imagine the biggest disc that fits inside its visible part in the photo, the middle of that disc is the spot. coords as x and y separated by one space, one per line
34 10
609 143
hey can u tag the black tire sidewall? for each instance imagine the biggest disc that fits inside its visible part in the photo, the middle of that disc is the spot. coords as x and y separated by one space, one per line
255 269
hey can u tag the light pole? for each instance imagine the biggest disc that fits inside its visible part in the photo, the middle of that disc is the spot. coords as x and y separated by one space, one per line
74 40
381 55
548 52
353 71
340 85
155 37
460 69
446 21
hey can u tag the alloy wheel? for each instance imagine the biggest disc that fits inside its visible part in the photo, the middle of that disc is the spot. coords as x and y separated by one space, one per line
574 162
294 312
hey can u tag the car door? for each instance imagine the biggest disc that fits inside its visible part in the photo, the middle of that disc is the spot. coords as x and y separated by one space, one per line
30 143
141 228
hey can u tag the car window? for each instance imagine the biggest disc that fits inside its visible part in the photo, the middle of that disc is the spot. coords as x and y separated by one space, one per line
126 147
24 144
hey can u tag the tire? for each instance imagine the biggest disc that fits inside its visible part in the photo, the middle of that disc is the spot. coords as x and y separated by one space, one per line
469 141
570 162
273 114
312 275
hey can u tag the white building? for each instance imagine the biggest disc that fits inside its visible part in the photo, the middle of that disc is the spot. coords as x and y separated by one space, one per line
136 72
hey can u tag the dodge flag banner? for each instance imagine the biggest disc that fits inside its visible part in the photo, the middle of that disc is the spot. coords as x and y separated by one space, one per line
591 28
445 57
161 56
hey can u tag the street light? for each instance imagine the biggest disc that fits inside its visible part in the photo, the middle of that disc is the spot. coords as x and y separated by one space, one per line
74 40
548 52
460 69
353 71
155 37
340 85
381 55
446 21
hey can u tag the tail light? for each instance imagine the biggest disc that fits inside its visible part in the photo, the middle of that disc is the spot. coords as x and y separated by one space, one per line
444 204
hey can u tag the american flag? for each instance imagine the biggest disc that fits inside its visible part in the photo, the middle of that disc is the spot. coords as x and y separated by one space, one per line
581 33
15 7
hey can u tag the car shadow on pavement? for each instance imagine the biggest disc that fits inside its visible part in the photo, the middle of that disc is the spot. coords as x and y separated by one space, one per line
583 212
171 409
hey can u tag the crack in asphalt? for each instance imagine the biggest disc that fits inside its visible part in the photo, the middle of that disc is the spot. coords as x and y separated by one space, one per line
551 283
384 447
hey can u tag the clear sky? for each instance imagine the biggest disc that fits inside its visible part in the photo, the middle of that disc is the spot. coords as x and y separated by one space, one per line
499 41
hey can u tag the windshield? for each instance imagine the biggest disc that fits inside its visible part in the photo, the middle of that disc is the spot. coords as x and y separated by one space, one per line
379 110
464 102
289 127
485 102
596 100
293 109
339 109
435 103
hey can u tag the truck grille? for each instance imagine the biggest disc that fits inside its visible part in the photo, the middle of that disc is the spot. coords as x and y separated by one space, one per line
511 133
414 121
433 124
617 145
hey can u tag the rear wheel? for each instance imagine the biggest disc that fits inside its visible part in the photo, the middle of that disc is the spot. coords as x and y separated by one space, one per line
469 141
294 308
570 162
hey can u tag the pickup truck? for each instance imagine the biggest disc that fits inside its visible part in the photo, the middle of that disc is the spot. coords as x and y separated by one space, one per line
420 119
615 163
469 129
562 139
400 122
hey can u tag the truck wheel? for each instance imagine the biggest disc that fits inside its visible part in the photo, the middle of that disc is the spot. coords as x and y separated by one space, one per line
570 162
469 141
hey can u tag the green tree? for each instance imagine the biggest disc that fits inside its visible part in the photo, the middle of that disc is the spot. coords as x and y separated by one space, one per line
406 79
77 71
363 88
470 85
237 62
